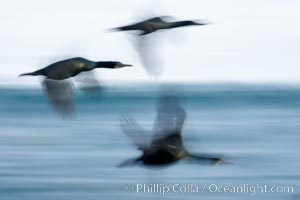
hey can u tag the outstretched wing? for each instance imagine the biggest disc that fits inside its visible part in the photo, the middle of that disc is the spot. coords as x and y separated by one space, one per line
169 122
139 136
148 52
89 84
150 55
60 95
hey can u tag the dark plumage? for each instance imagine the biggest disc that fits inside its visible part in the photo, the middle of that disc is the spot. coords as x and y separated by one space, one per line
145 42
71 67
166 146
59 89
157 23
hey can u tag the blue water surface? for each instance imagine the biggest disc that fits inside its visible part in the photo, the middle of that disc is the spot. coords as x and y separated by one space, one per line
43 157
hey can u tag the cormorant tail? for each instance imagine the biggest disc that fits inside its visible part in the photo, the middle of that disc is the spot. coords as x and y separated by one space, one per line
36 73
129 163
122 28
114 29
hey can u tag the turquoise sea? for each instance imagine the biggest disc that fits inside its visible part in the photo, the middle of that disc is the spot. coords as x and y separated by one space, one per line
43 157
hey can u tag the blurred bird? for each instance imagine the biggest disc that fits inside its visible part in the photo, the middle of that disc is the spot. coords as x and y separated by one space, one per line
144 44
157 23
166 146
59 89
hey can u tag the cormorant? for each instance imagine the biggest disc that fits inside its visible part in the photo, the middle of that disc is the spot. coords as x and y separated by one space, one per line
71 67
145 41
166 146
59 89
156 23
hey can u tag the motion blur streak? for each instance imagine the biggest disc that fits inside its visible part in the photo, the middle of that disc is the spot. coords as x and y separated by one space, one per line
44 157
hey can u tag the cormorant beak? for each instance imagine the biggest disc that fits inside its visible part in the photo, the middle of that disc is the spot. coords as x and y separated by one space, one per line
121 65
126 65
198 23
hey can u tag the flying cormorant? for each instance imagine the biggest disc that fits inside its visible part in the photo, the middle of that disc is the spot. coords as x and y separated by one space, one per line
157 23
145 41
166 145
59 89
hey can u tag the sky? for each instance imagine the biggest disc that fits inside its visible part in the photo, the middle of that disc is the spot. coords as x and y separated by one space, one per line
248 41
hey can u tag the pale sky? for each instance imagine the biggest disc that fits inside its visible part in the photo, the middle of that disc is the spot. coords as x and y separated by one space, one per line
248 40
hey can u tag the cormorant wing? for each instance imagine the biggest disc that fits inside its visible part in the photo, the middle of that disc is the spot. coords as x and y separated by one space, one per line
150 55
60 95
168 123
139 136
89 84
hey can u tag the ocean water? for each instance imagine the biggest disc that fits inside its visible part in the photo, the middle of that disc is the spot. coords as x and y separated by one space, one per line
43 157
